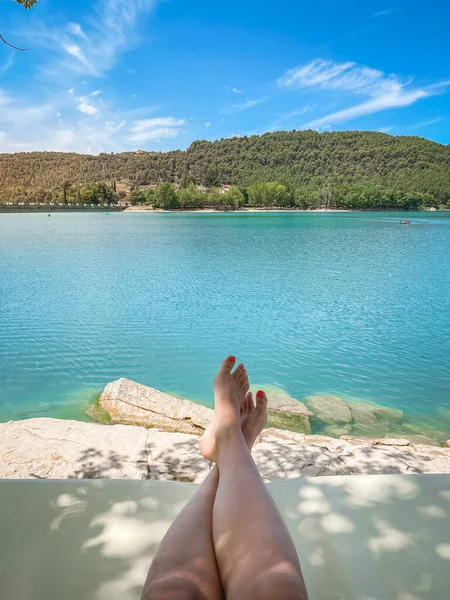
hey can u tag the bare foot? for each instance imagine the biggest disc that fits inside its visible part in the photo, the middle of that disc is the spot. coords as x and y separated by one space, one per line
229 395
253 418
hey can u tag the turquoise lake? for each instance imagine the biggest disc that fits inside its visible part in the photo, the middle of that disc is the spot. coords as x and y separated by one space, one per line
352 304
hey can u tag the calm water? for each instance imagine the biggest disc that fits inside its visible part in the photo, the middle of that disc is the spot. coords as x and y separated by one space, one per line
350 304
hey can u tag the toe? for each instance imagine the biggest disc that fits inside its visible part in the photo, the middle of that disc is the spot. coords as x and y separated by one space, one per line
249 402
245 384
227 364
261 400
244 407
238 372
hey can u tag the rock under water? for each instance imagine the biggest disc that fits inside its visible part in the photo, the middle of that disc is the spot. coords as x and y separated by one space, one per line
125 401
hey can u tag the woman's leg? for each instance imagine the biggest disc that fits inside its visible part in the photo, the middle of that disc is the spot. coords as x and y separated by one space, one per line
185 565
255 553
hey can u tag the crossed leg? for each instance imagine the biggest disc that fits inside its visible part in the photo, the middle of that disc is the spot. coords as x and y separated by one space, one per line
230 538
255 554
185 565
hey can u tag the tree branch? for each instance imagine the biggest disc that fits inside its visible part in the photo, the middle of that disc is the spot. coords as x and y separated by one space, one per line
15 47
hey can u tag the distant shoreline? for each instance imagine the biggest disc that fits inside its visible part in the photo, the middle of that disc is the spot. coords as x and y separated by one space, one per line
17 209
33 208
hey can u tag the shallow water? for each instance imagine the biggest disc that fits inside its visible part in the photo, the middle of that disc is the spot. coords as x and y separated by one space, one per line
351 304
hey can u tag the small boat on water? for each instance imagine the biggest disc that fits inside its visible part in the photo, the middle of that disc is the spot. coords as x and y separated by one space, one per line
405 222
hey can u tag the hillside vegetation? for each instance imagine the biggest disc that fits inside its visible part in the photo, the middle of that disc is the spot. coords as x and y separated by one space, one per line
341 169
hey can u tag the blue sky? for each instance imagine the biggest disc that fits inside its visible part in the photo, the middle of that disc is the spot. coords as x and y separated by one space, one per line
118 75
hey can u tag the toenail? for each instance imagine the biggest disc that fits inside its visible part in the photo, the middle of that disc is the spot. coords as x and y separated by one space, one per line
260 394
232 359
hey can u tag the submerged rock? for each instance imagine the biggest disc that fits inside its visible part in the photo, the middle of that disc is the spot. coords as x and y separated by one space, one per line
356 417
425 431
329 409
369 413
283 411
337 429
127 402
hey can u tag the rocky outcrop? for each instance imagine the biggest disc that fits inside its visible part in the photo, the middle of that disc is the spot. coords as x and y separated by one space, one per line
131 403
58 449
125 401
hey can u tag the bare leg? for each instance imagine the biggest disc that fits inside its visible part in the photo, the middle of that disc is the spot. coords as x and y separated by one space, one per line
255 553
185 565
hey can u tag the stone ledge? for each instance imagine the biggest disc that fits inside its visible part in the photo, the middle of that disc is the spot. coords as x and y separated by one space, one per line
56 449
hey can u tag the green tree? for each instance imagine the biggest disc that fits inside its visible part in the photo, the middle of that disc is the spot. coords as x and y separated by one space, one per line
363 169
234 197
97 193
66 187
186 180
190 197
136 196
214 199
165 196
270 194
26 3
325 197
150 196
211 177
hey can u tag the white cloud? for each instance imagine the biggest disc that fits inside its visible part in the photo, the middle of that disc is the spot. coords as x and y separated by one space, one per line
62 118
155 129
296 113
397 98
8 62
283 120
383 91
95 46
25 127
234 90
75 29
207 124
317 72
4 99
425 123
85 106
235 108
383 13
75 51
386 129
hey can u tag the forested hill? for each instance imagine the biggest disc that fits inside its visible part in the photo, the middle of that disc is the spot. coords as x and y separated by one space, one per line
348 162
